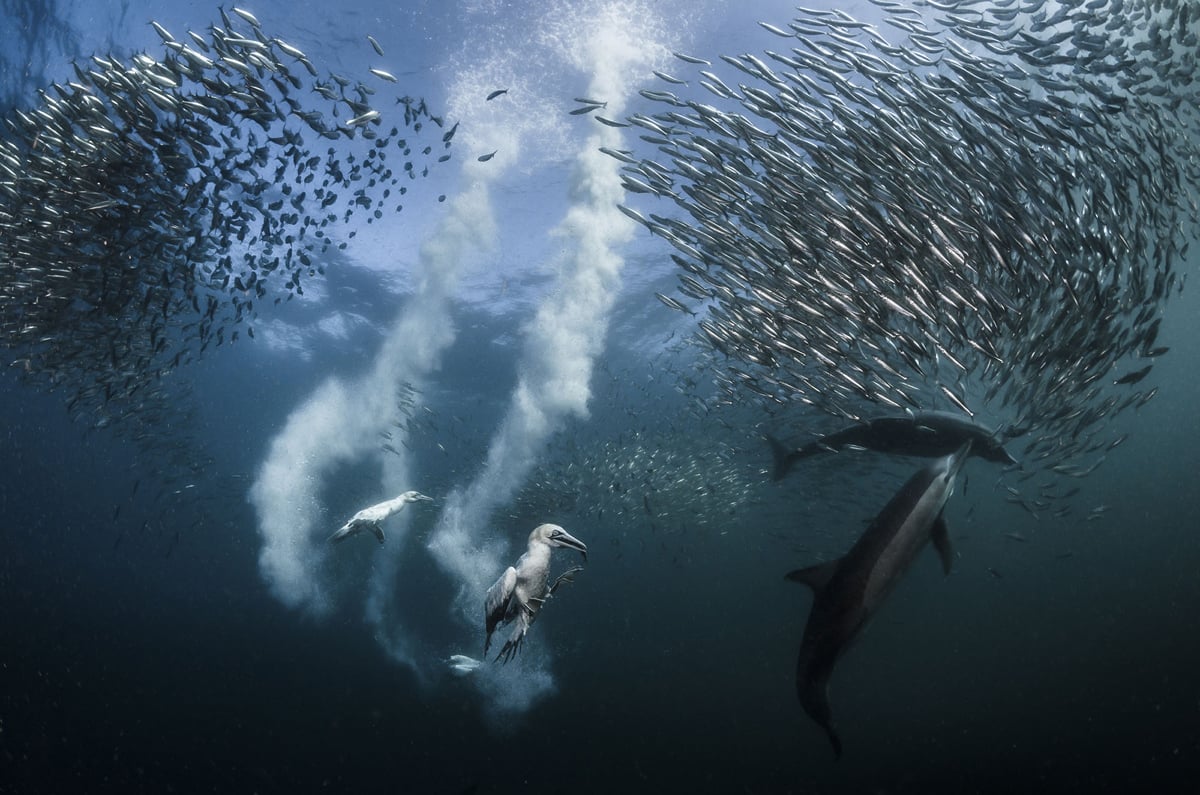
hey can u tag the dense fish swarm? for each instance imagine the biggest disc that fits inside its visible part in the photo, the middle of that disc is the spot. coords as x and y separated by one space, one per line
148 206
987 216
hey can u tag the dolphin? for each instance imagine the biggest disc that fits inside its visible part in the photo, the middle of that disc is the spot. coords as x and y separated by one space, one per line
849 590
517 597
929 434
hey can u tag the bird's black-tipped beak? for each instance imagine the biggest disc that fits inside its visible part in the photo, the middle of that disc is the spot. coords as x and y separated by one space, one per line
564 539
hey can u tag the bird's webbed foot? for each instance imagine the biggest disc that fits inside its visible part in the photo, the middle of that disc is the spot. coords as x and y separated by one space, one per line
510 648
565 577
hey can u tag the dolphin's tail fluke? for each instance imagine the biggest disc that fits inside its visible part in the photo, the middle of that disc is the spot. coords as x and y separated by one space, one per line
835 741
783 457
814 697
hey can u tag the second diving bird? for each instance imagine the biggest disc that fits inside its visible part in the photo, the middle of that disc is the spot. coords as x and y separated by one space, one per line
372 518
518 596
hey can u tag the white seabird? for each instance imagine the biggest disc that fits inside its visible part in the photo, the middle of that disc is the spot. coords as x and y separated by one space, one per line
370 518
522 589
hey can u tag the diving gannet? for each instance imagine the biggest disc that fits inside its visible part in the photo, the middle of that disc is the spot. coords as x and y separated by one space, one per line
522 589
931 434
849 590
370 518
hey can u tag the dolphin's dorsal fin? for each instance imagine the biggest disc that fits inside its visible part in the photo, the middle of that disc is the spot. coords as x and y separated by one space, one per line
941 542
815 577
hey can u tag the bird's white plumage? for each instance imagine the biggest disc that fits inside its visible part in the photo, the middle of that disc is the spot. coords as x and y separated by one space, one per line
518 595
372 517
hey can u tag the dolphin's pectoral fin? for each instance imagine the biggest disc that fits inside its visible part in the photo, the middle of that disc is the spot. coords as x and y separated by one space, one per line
815 577
377 530
566 576
941 542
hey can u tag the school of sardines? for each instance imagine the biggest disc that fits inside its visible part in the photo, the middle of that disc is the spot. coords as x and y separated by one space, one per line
985 216
148 206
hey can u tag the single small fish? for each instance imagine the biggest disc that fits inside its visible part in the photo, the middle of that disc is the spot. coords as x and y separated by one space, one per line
375 44
673 304
370 115
498 92
162 32
1135 376
487 157
246 15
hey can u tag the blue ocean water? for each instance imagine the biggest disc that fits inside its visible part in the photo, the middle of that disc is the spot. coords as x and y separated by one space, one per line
171 618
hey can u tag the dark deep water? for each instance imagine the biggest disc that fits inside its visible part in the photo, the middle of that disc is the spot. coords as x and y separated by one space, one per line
155 665
142 651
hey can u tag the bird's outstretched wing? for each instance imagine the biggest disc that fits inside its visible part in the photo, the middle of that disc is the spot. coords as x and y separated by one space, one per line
354 526
495 605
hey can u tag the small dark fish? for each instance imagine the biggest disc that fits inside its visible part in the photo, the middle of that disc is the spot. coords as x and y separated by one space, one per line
375 44
498 92
1135 376
610 122
487 157
585 109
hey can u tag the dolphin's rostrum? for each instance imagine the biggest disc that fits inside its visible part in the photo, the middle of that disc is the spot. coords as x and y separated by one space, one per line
519 594
849 590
